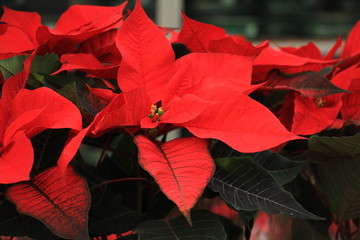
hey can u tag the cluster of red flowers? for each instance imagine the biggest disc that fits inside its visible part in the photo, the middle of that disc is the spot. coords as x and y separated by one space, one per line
147 90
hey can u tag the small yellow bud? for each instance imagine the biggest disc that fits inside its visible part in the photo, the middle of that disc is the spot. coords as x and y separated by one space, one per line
320 102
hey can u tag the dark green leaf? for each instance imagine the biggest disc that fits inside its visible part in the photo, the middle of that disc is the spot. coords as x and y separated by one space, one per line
59 81
309 84
206 226
323 148
281 168
72 92
339 173
247 186
11 66
112 218
45 64
41 65
340 180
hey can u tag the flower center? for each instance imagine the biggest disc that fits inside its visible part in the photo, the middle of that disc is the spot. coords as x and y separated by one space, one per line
155 113
320 102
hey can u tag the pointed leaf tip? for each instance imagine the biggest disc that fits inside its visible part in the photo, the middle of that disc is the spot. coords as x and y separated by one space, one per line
176 163
246 186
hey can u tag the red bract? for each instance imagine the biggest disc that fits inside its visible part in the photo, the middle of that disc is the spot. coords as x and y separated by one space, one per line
193 88
205 93
78 23
197 36
352 47
202 37
88 63
288 63
23 31
182 168
310 115
24 116
61 201
103 47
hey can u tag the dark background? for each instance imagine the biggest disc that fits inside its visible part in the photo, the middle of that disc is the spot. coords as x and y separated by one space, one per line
256 19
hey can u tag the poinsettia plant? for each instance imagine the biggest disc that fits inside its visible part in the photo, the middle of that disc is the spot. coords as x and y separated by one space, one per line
115 128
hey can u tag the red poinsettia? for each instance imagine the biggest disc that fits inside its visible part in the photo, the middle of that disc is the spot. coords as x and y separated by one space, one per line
203 92
308 115
24 114
23 31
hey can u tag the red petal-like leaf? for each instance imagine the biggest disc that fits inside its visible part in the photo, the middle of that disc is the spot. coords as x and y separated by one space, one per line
104 94
26 21
55 112
78 23
196 35
239 121
333 50
309 84
183 109
270 59
310 50
198 72
60 201
270 56
312 115
147 56
127 109
88 63
16 159
182 168
18 81
350 109
103 47
13 41
82 18
352 47
230 45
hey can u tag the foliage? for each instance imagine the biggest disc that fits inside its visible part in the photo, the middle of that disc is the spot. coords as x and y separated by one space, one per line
89 110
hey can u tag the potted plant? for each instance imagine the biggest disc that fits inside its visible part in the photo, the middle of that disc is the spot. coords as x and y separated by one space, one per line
89 111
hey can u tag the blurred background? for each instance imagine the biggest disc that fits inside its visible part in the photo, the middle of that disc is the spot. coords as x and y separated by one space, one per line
280 20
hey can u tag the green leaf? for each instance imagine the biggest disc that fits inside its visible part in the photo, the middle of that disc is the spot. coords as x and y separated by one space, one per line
206 226
339 177
339 173
281 168
247 186
45 64
324 148
72 92
112 218
59 81
41 67
11 66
